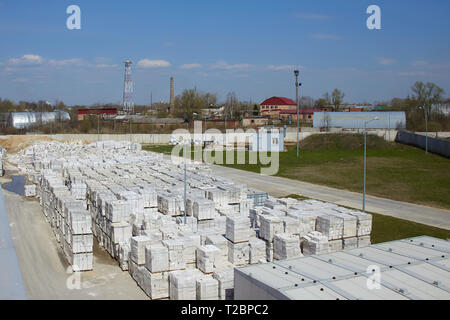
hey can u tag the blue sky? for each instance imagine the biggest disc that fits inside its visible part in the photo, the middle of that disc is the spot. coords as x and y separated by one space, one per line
249 47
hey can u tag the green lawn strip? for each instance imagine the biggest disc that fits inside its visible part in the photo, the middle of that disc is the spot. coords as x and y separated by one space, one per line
394 171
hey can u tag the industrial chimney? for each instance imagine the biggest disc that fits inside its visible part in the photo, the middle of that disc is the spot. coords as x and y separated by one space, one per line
172 96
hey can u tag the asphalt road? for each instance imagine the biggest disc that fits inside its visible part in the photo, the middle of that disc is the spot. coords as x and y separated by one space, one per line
279 187
44 267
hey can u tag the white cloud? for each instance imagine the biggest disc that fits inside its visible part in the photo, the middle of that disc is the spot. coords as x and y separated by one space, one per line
419 63
385 61
225 66
26 59
312 16
146 63
66 62
325 36
281 67
190 66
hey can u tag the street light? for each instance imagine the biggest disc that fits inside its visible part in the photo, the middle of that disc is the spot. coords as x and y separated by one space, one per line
297 84
426 128
185 183
131 141
365 149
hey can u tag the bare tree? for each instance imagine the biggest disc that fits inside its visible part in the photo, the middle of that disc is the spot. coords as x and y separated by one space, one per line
427 94
337 97
231 104
209 98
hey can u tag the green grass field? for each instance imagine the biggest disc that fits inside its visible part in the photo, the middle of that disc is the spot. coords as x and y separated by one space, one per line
394 171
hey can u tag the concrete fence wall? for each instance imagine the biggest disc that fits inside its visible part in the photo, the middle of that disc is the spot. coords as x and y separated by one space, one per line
291 136
437 146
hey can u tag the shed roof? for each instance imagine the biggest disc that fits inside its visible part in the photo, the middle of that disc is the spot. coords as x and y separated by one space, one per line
414 268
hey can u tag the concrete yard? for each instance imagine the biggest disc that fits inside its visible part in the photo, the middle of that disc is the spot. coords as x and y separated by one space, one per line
279 187
44 269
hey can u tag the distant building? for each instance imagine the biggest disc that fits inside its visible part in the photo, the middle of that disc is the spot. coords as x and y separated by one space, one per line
356 120
254 121
83 113
441 108
290 116
212 111
144 121
23 120
268 139
273 106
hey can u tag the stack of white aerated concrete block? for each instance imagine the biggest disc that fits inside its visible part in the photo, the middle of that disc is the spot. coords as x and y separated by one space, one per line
363 227
203 209
175 251
137 249
207 288
315 243
257 251
182 285
286 246
170 204
306 219
209 257
156 275
157 258
238 234
124 255
79 240
331 226
78 191
219 242
238 229
155 285
270 226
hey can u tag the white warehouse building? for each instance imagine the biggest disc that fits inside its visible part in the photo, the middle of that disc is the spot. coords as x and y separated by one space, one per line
268 139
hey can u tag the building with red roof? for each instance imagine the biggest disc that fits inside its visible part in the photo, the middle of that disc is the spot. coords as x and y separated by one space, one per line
273 106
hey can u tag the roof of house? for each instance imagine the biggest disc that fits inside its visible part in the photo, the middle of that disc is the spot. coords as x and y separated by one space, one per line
278 101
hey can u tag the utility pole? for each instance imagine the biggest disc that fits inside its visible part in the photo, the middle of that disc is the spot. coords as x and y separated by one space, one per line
365 152
98 126
426 127
185 186
296 73
131 134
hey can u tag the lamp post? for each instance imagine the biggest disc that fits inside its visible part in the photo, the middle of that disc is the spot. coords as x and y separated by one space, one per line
185 185
297 84
426 128
365 152
131 141
98 127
